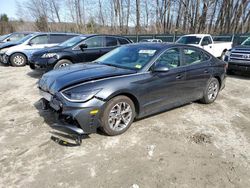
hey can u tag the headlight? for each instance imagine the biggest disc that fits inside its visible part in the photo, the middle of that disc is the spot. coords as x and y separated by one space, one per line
79 96
4 50
49 55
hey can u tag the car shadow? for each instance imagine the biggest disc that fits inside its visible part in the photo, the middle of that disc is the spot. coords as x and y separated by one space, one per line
4 65
240 75
35 74
165 111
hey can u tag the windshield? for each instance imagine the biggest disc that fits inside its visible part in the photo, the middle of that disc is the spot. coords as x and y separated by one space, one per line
129 57
246 42
22 40
189 40
72 42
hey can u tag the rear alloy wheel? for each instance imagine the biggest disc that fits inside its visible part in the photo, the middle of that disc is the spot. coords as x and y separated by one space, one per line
18 60
62 63
118 115
211 92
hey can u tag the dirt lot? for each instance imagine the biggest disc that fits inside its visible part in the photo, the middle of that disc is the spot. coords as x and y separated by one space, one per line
192 146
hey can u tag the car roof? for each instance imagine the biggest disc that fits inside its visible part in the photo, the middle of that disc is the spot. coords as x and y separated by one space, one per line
91 35
197 35
162 45
59 33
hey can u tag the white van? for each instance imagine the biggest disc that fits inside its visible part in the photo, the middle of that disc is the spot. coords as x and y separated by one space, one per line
18 55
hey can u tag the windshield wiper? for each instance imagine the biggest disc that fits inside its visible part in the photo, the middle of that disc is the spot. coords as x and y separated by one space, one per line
118 66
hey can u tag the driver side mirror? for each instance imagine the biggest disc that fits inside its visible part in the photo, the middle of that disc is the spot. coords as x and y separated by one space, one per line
160 68
30 43
83 46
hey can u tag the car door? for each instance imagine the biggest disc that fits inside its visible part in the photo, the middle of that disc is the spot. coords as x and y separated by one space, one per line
91 51
198 71
163 90
207 44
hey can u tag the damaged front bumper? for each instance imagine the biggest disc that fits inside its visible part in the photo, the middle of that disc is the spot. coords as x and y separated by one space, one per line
78 118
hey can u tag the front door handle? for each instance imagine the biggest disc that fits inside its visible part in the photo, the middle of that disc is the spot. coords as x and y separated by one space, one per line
178 77
206 71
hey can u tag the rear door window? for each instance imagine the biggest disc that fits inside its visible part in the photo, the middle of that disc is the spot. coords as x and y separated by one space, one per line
56 39
193 56
41 39
111 41
123 41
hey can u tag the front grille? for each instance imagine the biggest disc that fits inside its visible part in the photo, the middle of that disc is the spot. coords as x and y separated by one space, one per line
240 55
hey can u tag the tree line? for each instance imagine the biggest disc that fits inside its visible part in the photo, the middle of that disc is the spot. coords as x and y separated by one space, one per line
137 16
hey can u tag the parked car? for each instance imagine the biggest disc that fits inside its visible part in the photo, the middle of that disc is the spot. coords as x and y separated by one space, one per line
206 42
12 37
132 81
238 58
5 46
151 40
18 55
84 48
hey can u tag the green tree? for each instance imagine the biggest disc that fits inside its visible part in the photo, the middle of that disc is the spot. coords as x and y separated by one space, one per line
4 18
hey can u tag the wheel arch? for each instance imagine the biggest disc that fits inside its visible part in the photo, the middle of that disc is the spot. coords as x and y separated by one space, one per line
66 58
219 80
130 96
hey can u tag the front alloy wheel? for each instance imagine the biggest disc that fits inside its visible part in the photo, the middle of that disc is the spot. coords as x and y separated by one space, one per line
118 115
18 60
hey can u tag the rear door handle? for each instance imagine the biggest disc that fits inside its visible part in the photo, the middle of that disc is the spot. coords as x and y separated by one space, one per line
178 77
206 71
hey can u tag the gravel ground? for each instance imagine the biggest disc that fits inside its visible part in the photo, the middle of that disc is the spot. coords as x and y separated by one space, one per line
192 146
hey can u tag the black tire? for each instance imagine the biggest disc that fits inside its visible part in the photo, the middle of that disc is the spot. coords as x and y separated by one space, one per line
18 60
62 63
213 85
105 117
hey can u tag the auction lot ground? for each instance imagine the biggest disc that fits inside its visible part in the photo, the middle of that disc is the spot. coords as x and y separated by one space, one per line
192 146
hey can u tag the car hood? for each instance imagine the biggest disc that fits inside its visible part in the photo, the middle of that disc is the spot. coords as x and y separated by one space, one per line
59 79
53 49
242 47
8 44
